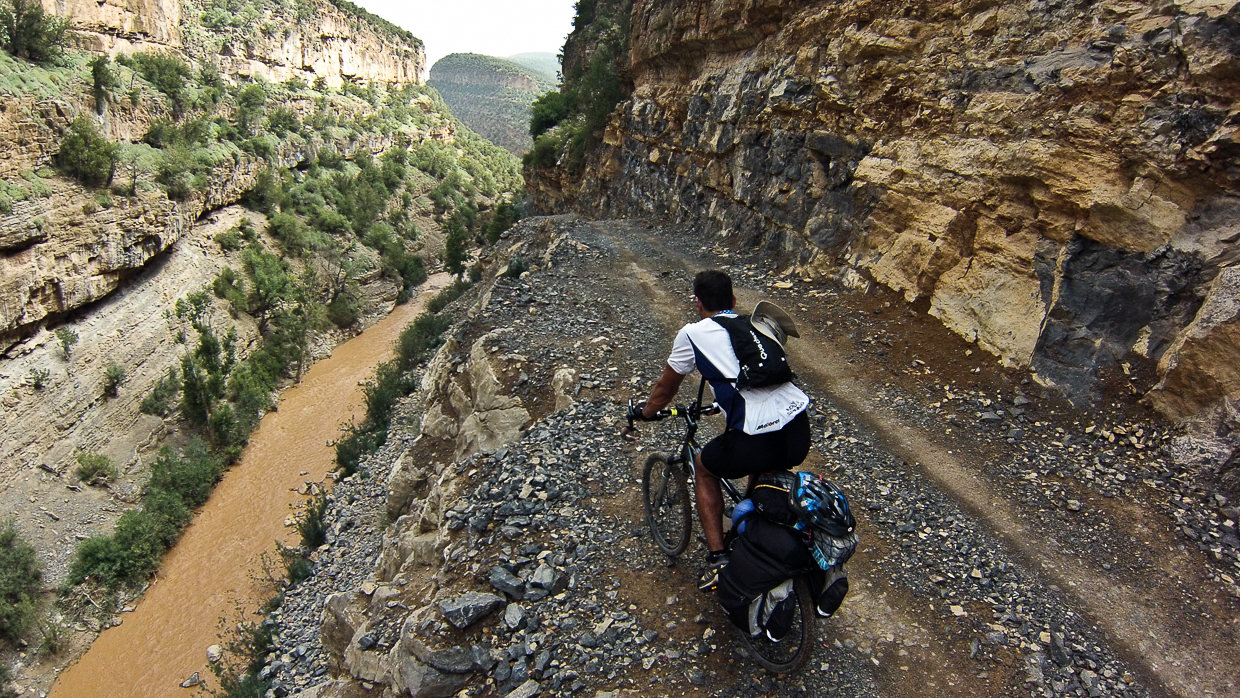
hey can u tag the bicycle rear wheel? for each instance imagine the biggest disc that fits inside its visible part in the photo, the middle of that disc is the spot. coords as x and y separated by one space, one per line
792 651
665 491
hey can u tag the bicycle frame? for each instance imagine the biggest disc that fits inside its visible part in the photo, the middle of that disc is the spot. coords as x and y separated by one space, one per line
685 455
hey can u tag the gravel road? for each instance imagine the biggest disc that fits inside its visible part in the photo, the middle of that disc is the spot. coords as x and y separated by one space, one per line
1011 544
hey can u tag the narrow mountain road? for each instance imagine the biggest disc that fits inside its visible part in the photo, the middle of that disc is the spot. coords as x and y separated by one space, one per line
1010 544
1106 574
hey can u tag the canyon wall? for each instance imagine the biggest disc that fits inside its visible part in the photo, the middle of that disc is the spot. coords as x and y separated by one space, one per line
1055 180
304 39
59 250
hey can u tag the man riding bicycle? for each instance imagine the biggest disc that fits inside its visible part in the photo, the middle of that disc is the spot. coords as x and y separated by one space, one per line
767 428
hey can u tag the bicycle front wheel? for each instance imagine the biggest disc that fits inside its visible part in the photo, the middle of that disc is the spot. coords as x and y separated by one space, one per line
790 652
666 493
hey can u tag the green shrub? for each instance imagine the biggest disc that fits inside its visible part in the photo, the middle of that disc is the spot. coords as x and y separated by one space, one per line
177 171
113 376
283 120
356 443
20 580
54 639
229 241
67 339
516 267
225 429
104 79
191 474
455 254
158 401
447 295
168 74
545 153
415 343
547 111
26 31
39 378
250 102
266 193
141 537
86 155
343 310
312 524
504 217
291 233
95 468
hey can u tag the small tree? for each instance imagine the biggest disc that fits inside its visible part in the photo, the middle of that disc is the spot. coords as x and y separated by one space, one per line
86 155
113 376
105 80
67 339
20 578
250 102
26 31
39 377
454 253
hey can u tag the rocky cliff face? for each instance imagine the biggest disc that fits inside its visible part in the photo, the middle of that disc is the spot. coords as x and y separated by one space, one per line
57 253
305 39
1054 180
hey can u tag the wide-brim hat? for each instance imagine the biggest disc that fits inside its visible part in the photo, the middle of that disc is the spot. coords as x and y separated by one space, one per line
773 321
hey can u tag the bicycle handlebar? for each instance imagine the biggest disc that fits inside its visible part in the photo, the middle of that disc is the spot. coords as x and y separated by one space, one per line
689 411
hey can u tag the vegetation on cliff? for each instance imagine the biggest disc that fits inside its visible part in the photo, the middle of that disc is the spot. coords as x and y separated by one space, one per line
26 31
351 190
570 121
490 95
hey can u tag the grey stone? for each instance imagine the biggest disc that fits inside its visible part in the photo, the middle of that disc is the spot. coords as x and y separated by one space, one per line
466 610
506 582
529 689
514 617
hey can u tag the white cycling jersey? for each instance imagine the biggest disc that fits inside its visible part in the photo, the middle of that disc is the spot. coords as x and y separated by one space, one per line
706 346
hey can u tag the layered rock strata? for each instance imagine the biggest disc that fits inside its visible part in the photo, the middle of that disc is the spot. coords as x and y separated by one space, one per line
1054 180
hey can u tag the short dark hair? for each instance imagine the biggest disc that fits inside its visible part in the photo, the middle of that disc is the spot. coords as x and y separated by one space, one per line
714 288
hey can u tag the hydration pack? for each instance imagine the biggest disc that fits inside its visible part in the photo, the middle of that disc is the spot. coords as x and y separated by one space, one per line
763 361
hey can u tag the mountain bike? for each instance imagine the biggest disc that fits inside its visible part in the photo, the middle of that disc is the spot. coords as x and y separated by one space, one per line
669 513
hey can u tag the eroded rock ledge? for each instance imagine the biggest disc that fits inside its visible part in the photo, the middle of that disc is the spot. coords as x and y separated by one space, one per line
1055 181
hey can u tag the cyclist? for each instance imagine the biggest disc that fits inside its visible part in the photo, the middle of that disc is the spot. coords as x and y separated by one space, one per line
767 428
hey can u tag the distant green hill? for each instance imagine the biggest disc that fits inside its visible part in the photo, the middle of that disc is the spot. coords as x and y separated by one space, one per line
544 64
490 95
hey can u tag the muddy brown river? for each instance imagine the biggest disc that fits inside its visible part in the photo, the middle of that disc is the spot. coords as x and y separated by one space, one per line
211 580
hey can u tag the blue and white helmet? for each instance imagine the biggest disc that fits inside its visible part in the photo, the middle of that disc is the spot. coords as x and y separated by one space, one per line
822 505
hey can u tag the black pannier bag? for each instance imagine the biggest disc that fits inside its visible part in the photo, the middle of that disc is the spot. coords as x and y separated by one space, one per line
773 543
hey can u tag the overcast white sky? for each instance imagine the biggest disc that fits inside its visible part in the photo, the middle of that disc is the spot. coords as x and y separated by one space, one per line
491 27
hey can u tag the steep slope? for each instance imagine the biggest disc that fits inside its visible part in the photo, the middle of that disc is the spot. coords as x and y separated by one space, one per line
544 65
490 95
114 286
1053 181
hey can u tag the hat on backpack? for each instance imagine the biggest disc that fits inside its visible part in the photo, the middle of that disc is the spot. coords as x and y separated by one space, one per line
773 321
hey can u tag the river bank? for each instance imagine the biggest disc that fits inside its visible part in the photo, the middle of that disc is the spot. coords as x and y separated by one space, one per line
215 575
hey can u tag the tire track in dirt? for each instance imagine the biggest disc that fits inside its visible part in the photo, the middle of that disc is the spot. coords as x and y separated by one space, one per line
1148 625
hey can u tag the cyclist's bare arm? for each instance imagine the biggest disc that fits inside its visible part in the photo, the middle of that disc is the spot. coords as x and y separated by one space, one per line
663 393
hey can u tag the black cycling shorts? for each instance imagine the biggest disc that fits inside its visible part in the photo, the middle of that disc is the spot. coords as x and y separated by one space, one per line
735 454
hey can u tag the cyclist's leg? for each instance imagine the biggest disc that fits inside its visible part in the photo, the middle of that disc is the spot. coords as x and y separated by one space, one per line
709 495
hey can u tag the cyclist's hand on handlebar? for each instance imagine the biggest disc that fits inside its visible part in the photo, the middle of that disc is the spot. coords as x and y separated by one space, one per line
636 411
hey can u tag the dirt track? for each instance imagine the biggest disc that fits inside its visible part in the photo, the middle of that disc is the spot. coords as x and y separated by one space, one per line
901 415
